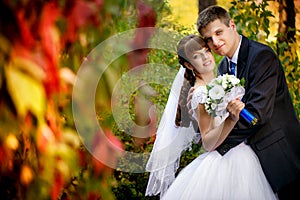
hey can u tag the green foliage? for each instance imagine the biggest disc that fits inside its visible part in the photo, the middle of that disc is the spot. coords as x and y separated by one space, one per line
256 17
189 155
289 55
132 186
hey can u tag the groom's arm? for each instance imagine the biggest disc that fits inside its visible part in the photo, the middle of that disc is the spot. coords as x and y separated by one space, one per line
262 84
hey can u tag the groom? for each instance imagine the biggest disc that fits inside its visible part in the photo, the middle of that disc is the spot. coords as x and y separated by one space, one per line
276 137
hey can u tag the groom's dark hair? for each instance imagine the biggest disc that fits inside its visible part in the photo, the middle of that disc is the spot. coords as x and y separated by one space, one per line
211 14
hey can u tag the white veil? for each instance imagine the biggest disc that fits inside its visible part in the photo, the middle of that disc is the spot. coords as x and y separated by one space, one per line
170 143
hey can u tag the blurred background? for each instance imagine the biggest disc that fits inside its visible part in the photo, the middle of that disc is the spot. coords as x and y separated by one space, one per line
42 47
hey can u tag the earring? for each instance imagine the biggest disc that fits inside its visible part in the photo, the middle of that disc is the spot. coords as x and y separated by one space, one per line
193 73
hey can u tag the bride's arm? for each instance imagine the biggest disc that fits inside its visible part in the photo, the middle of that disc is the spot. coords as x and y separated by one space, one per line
213 136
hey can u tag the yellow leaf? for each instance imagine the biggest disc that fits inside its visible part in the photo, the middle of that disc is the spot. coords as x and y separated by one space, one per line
26 92
28 67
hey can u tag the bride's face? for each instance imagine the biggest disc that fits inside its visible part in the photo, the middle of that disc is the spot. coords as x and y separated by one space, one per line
202 60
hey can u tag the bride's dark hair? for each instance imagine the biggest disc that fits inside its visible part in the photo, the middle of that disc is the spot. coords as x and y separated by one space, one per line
185 49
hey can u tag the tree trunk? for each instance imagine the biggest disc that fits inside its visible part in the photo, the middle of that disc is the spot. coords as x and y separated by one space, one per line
202 4
287 21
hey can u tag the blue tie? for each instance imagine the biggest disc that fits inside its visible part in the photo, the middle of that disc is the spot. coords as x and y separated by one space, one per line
232 67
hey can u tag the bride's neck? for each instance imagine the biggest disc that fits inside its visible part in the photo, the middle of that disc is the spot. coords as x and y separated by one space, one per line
204 79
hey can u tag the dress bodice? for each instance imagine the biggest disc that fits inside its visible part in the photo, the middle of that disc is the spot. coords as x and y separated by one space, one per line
199 97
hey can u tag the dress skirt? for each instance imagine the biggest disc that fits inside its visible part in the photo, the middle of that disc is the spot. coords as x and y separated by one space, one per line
237 175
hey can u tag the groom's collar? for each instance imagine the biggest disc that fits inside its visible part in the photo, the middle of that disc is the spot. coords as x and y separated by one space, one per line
236 53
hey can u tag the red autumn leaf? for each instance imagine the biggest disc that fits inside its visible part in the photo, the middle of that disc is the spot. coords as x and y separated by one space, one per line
99 2
27 37
51 117
99 154
146 15
3 154
82 158
78 16
50 45
146 18
114 143
57 186
44 53
93 196
51 82
106 149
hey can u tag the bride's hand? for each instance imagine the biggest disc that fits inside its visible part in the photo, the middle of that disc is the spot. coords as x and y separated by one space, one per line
234 108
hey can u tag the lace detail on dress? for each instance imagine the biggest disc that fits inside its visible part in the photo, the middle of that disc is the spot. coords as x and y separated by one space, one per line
199 96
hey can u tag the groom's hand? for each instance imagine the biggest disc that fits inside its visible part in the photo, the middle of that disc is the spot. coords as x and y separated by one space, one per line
189 99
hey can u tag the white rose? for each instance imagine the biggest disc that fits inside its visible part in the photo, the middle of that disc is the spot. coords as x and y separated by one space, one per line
235 81
224 84
217 92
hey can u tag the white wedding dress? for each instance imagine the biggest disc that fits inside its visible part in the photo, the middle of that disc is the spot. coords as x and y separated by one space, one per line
237 175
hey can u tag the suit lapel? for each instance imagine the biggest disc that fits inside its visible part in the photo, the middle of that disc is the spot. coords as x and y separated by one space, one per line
223 67
242 57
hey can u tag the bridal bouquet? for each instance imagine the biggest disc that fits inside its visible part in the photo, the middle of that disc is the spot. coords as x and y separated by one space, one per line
220 91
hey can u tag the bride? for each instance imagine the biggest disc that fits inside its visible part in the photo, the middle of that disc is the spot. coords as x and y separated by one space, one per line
229 169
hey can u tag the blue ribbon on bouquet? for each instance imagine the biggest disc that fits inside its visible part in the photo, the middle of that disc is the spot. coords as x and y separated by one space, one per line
248 116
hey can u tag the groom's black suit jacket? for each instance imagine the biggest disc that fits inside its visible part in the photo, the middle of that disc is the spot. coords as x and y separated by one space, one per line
276 137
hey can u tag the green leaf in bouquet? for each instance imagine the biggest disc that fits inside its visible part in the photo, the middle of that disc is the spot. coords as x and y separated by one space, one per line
242 82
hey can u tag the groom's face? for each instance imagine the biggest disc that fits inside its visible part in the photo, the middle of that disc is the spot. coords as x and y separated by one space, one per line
220 38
